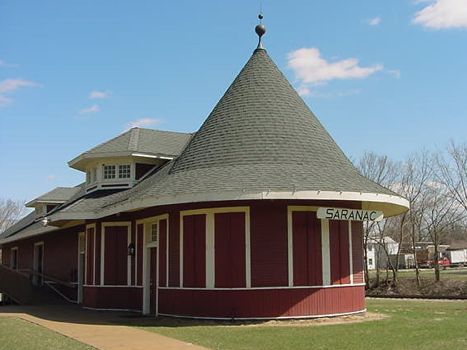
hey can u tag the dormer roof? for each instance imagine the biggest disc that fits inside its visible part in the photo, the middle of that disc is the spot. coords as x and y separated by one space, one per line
136 142
58 195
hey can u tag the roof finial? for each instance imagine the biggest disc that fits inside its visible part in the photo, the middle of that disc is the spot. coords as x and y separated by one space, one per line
260 29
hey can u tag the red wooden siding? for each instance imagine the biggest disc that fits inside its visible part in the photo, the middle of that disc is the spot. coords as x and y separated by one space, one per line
339 251
357 251
229 243
133 258
174 250
307 261
262 302
194 251
61 256
90 256
163 252
98 256
113 298
139 254
269 251
116 258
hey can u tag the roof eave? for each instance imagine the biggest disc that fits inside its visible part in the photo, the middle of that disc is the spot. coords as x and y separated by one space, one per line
390 205
79 163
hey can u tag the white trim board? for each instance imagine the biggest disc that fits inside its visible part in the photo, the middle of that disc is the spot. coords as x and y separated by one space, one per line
104 225
266 318
210 240
390 205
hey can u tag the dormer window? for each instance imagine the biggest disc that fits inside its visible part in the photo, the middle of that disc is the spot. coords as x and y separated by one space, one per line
124 171
109 172
94 174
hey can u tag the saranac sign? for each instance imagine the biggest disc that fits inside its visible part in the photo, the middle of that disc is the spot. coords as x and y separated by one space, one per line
349 214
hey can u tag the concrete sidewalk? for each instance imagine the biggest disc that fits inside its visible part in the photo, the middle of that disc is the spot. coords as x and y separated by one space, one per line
102 330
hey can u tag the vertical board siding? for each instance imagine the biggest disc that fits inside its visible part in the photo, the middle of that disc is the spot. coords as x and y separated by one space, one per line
229 250
357 251
116 257
269 249
262 303
133 258
98 256
339 251
139 254
307 261
194 251
162 244
113 298
174 250
90 256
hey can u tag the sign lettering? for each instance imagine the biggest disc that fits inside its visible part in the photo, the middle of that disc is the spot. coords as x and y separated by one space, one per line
349 214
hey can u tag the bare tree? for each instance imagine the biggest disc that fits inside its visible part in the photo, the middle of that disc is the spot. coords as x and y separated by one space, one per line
441 215
416 174
452 172
383 171
10 212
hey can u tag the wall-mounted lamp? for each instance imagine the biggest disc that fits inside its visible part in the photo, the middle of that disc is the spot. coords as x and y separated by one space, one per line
45 221
131 249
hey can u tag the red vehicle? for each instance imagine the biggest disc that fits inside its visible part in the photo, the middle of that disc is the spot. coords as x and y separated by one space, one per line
442 262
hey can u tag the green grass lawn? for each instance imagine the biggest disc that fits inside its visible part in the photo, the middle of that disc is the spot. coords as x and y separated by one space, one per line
409 325
457 274
16 334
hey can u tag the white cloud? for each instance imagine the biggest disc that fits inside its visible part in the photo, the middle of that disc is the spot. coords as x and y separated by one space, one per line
4 101
143 122
95 94
394 72
7 65
11 85
310 67
443 14
91 109
344 93
302 90
374 21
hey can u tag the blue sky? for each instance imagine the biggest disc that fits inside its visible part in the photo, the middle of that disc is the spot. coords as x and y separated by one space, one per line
385 76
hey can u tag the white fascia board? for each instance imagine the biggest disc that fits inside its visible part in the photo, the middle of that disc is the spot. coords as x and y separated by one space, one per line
18 236
77 163
390 205
148 155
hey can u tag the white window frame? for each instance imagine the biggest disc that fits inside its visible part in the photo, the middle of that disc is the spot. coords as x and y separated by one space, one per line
210 243
104 166
129 171
103 227
147 244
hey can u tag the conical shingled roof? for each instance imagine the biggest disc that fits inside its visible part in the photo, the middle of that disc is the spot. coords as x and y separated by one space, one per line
261 128
260 141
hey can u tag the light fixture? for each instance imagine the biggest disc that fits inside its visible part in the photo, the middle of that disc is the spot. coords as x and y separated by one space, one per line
131 249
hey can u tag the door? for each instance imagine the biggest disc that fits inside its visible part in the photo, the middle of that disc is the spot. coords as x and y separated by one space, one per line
38 263
81 261
153 281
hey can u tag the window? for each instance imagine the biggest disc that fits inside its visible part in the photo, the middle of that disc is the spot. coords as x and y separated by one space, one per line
370 261
124 171
153 236
109 171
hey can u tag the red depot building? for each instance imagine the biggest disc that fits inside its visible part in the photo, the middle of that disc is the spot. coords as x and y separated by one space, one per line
256 215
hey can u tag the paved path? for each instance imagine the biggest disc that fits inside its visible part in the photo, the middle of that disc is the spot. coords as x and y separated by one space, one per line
102 330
